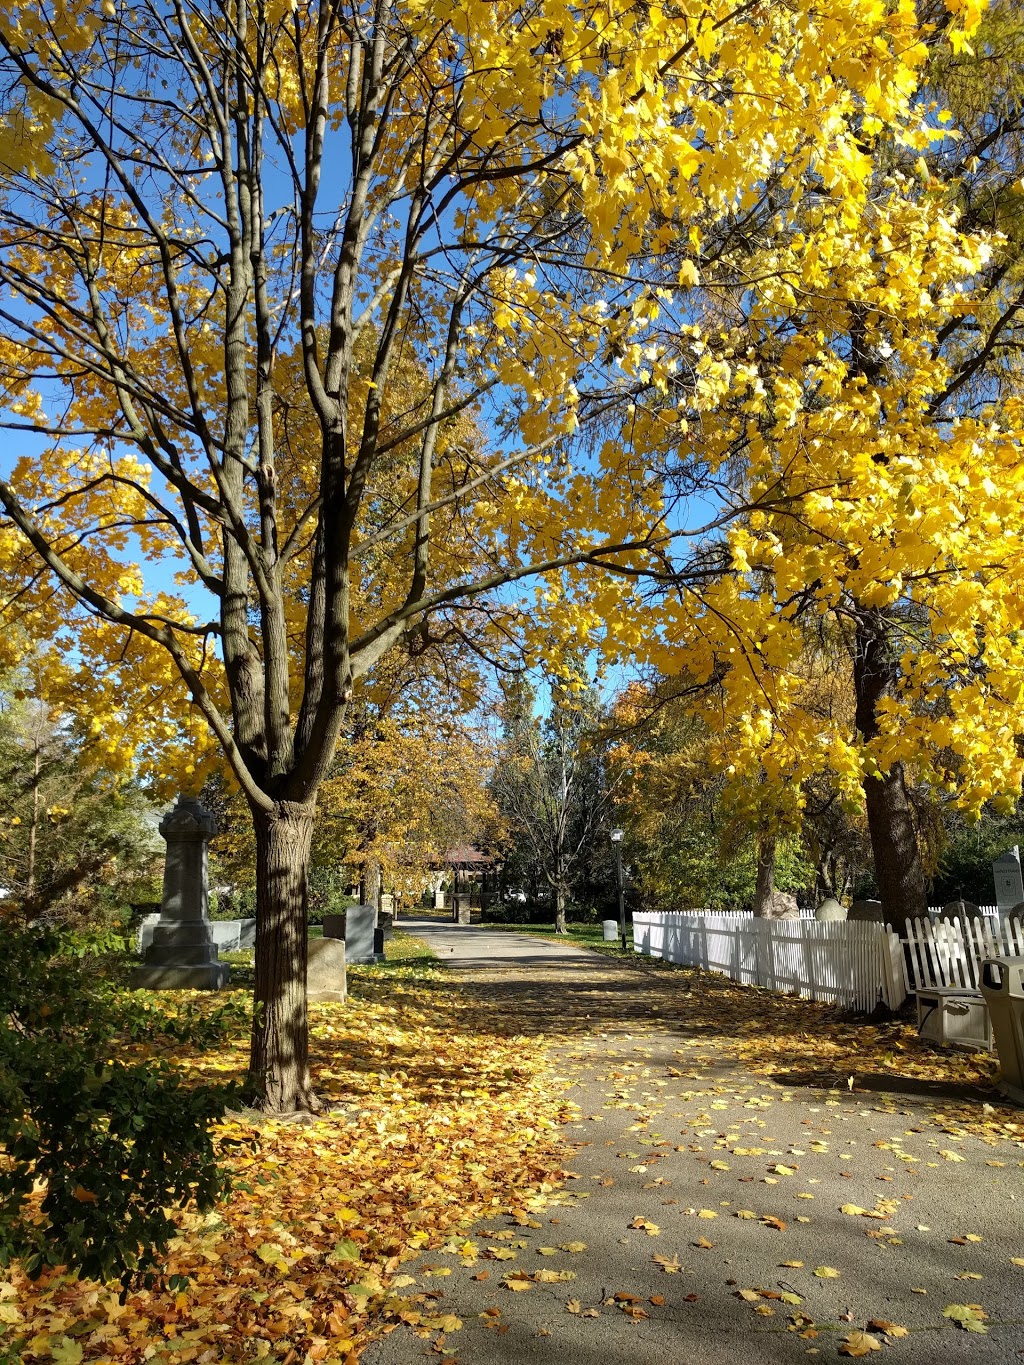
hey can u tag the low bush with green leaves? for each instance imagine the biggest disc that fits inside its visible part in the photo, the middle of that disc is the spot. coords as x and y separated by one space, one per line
96 1150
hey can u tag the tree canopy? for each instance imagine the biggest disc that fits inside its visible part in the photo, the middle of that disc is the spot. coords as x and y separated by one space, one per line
325 322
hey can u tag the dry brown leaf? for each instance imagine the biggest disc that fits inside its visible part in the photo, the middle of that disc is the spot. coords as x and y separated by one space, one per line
859 1344
889 1329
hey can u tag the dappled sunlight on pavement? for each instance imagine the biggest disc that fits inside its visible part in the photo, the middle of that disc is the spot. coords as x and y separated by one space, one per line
753 1173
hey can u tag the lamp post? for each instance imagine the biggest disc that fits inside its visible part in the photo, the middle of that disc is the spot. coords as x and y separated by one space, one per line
617 837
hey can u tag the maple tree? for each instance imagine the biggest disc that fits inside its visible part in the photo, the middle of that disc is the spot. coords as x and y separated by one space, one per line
249 221
864 382
697 830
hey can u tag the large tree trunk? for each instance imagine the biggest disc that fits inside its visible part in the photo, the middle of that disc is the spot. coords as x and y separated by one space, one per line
899 872
560 925
279 1060
764 889
370 887
902 885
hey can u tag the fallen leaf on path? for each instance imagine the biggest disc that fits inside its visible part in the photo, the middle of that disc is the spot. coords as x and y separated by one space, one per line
827 1272
889 1329
859 1344
669 1264
634 1311
970 1316
518 1283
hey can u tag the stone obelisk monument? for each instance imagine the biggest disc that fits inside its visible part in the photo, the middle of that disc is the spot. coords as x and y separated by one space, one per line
183 954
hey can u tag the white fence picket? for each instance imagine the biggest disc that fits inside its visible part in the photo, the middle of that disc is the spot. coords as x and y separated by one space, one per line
850 964
950 952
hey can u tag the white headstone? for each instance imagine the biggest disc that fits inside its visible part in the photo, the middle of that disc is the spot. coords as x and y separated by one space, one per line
1009 884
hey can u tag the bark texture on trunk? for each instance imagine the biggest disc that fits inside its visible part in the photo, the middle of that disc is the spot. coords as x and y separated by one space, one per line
902 885
892 824
560 925
370 887
764 889
279 1062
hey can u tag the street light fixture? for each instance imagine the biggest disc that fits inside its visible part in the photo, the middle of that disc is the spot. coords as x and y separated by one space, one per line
617 836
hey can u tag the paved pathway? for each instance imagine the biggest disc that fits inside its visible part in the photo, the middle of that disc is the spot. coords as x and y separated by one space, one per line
675 1131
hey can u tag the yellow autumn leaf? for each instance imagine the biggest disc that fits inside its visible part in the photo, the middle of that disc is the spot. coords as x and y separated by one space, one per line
859 1344
517 1283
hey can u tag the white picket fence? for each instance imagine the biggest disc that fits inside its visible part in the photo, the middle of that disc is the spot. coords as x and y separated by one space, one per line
855 965
938 910
950 952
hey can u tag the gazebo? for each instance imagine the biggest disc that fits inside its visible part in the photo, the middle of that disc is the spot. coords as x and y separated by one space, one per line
474 880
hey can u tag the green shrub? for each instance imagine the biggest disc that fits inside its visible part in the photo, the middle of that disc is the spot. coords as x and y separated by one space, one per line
97 1149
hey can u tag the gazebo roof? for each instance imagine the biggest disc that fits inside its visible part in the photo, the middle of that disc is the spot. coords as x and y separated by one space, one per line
466 856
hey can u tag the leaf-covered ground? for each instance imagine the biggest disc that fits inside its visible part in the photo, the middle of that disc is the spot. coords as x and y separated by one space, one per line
428 1193
438 1117
756 1176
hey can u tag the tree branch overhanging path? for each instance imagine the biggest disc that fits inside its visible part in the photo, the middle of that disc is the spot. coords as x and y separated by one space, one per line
345 317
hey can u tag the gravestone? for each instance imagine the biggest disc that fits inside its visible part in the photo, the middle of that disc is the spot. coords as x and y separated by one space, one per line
1009 883
145 935
355 927
325 970
830 911
866 911
182 952
224 933
960 910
